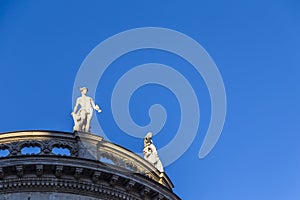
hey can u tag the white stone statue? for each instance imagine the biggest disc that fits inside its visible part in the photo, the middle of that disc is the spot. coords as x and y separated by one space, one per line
150 152
83 116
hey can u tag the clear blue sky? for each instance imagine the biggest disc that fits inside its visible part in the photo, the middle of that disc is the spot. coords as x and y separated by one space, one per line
255 45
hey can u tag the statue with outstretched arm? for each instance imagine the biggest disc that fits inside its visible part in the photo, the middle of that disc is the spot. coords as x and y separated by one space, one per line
83 116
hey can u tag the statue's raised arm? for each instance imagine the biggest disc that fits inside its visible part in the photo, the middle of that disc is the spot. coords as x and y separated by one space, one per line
83 116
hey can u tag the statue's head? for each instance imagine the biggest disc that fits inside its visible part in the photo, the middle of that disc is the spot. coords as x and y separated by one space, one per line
149 135
83 90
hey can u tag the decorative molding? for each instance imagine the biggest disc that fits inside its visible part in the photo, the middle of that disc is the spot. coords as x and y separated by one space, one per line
78 172
39 170
58 171
19 170
96 176
123 175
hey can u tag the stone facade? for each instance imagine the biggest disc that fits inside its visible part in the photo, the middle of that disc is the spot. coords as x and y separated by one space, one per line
91 169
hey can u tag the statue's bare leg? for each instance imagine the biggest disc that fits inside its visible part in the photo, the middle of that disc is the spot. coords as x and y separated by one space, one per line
81 122
88 121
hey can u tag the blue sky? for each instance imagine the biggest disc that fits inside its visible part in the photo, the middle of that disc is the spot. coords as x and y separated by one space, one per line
255 45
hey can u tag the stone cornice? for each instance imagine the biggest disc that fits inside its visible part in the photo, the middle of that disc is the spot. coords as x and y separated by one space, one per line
126 175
